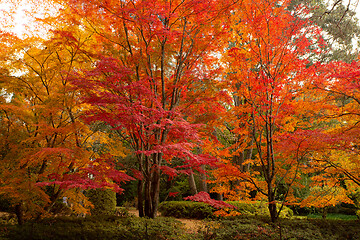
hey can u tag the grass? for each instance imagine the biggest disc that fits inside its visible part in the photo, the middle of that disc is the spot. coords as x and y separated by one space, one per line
333 216
242 227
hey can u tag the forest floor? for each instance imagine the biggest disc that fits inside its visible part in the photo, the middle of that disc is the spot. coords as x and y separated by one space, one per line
191 225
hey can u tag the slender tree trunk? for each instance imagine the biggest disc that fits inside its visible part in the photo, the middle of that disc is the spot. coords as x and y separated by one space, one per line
155 191
203 184
272 205
140 192
192 184
324 212
19 211
147 197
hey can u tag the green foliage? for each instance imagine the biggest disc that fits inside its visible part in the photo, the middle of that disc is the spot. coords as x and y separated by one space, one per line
341 40
259 208
199 210
104 201
122 212
243 227
261 228
186 209
333 216
130 190
179 184
99 227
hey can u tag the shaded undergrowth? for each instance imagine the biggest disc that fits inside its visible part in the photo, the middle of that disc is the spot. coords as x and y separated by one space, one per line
242 227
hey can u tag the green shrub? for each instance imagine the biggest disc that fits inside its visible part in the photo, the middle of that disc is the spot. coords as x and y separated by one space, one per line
199 210
122 212
186 209
261 228
244 227
99 227
104 201
333 216
259 208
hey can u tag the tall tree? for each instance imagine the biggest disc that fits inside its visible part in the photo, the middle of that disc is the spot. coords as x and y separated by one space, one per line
158 59
45 146
339 24
269 76
340 151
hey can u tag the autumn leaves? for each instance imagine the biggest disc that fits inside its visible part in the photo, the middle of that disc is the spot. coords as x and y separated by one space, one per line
173 86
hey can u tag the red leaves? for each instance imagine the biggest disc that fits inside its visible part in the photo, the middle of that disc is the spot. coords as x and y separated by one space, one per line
173 194
100 174
205 197
171 172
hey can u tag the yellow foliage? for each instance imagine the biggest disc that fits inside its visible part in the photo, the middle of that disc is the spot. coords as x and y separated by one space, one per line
77 201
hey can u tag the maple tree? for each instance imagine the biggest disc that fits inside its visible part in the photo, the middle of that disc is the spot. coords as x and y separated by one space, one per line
45 146
158 67
340 151
150 72
269 77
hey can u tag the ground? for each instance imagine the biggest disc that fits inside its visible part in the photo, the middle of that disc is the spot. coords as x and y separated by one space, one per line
192 225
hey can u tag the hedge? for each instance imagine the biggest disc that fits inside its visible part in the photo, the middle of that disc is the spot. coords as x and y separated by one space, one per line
199 210
186 209
104 201
97 227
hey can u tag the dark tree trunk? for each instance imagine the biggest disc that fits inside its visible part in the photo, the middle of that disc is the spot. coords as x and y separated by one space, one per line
324 212
272 205
147 197
149 189
19 211
140 198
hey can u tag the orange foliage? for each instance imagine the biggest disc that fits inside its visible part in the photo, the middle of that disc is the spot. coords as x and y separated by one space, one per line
270 79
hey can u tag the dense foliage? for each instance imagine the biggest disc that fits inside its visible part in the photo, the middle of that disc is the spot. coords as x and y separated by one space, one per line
200 210
167 228
104 201
247 96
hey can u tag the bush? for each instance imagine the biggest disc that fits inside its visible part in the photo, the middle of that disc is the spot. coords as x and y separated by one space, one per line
261 228
199 210
104 201
243 227
259 208
186 209
99 227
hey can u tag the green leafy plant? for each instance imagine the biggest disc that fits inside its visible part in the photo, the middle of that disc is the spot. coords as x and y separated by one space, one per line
104 201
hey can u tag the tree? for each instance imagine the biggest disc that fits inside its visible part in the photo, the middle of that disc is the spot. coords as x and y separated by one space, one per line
45 146
157 60
269 76
340 151
338 21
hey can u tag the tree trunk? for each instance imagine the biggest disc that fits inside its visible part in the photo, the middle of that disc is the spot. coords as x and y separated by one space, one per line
272 205
219 197
147 197
192 184
140 192
19 211
324 212
155 191
203 184
149 188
